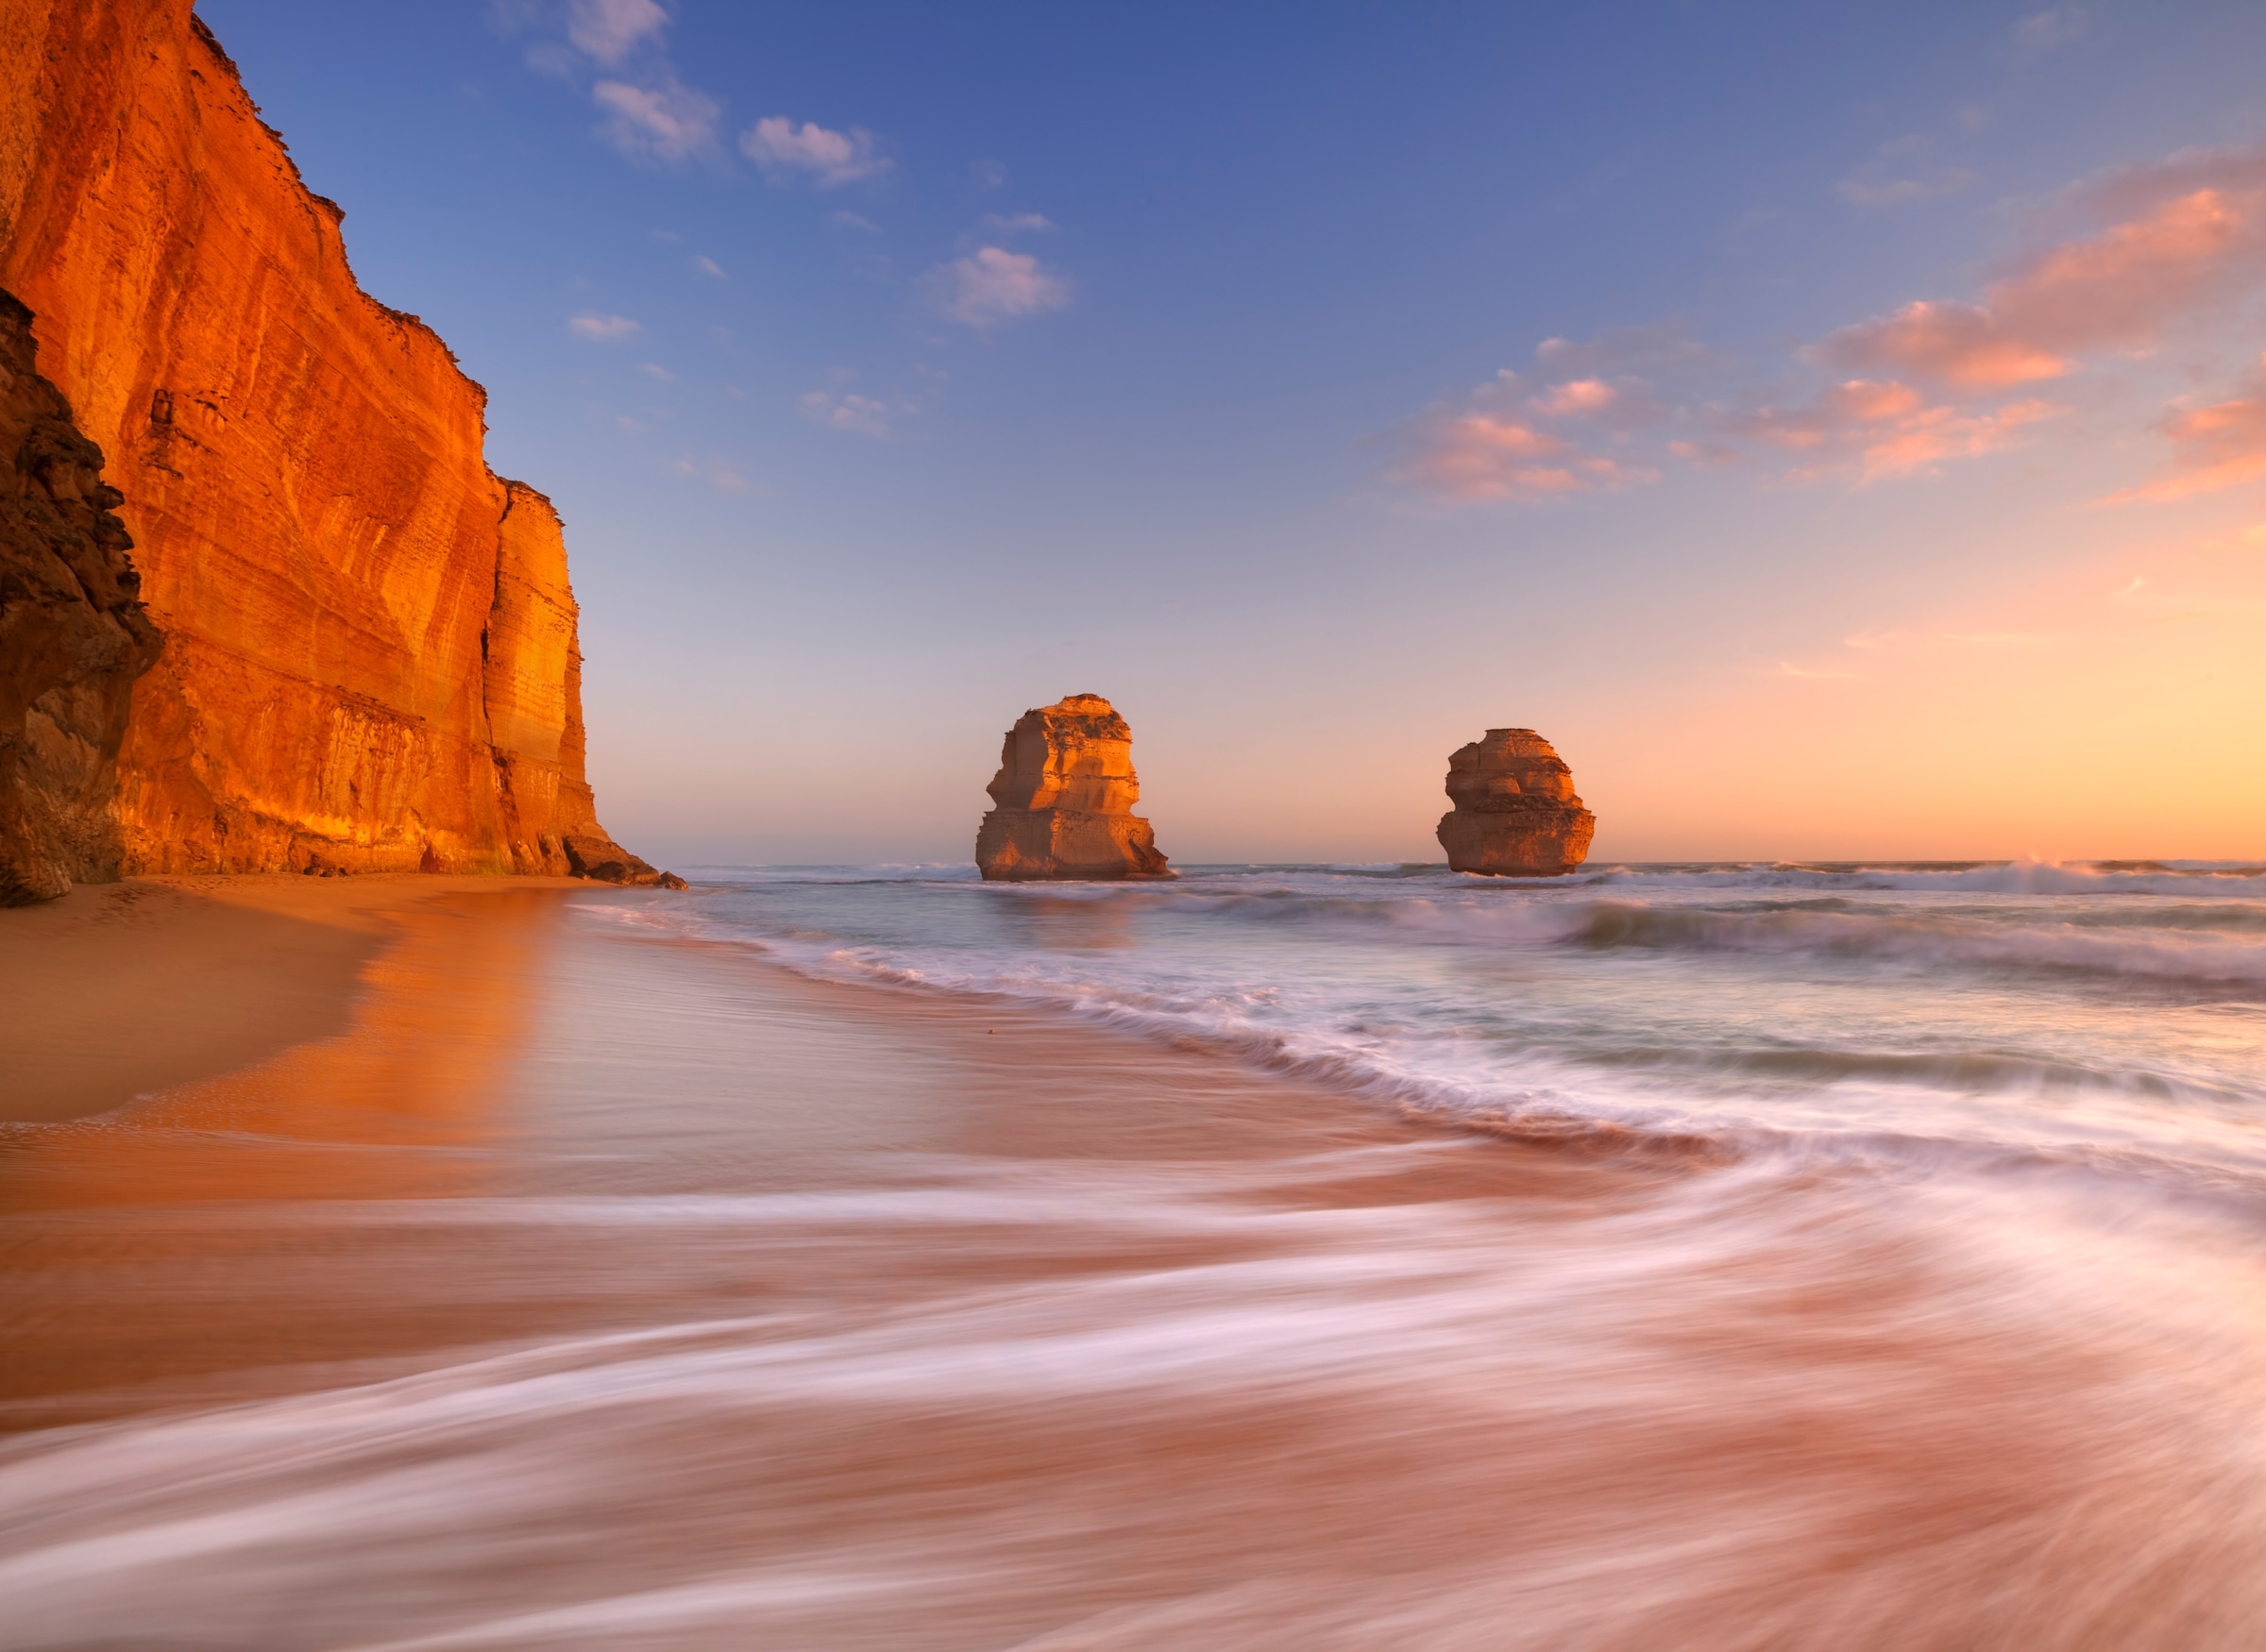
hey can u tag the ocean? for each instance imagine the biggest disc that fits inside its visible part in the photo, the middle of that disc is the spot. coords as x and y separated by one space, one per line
1729 1258
1923 1014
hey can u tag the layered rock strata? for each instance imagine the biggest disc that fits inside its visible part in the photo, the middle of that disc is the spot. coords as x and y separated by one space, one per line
1515 814
371 657
1065 792
73 637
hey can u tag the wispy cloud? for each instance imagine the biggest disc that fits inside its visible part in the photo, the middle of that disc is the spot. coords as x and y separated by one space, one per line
1498 445
828 157
1886 427
708 266
606 32
1905 169
650 115
721 475
603 329
655 371
662 120
2216 445
2042 31
1662 346
1019 223
859 415
2191 233
992 285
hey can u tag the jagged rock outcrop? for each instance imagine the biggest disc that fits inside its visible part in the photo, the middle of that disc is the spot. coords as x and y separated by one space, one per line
1065 792
1515 813
371 657
73 637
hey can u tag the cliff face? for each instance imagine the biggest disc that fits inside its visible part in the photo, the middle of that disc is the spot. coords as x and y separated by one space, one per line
1065 792
73 637
1516 812
370 660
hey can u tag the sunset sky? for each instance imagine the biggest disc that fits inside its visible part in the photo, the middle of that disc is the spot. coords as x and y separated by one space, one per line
1841 429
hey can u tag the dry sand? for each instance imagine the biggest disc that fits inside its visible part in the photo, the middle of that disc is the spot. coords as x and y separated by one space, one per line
117 991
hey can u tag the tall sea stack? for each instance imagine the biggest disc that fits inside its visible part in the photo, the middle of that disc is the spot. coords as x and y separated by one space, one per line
370 660
1515 814
1065 792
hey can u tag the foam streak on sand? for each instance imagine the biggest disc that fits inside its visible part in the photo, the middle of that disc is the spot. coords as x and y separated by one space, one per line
626 1290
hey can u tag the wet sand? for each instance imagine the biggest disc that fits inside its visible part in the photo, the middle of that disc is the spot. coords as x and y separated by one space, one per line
120 990
591 1289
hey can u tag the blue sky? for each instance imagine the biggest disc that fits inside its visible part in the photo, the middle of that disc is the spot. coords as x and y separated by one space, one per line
899 367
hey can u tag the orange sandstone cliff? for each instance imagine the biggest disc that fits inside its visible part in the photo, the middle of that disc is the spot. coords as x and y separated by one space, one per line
369 654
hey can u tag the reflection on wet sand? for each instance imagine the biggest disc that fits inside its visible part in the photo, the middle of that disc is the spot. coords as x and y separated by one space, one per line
168 1246
687 1304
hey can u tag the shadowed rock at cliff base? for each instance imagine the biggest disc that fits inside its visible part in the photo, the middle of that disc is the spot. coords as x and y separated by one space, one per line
73 637
371 659
1515 813
1065 792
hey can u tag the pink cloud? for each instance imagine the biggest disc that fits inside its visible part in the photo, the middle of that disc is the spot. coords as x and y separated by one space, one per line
663 121
782 148
1578 398
2191 234
603 329
609 30
1884 428
1479 456
2214 447
991 285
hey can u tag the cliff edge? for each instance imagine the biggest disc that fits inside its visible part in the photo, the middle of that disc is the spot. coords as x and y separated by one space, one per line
370 654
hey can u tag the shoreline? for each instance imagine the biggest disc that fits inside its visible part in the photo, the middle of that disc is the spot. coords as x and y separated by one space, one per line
117 991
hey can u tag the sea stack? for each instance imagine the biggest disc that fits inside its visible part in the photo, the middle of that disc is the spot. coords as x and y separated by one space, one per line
1065 792
1515 814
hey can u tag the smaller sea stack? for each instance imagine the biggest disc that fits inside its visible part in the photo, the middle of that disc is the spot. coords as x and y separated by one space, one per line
1065 792
1515 814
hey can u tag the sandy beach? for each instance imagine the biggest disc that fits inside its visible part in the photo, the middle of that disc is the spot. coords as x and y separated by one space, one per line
588 1287
121 989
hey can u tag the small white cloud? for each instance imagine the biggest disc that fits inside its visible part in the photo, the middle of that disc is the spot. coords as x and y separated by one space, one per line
988 175
603 330
848 220
2041 31
708 266
607 31
859 415
991 285
1021 224
654 370
782 148
663 121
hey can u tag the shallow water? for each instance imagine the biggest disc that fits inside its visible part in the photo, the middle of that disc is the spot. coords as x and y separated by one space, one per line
1915 1011
1879 1280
